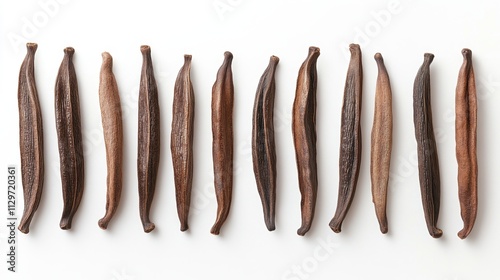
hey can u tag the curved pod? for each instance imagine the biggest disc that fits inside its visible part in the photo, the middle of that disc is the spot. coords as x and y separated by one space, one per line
304 137
111 116
350 138
222 132
428 164
30 138
69 135
263 147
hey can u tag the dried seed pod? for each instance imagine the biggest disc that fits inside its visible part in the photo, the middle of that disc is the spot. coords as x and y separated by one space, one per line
263 147
148 148
30 138
111 116
304 137
466 135
181 142
428 165
381 143
222 130
350 138
69 136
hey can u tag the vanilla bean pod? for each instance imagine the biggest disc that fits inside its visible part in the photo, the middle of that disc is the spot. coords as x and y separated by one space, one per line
30 138
181 141
428 165
263 147
222 131
304 137
381 143
148 148
350 138
466 142
68 125
111 115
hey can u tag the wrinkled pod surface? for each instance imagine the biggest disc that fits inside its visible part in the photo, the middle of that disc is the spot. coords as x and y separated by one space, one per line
381 143
350 138
466 143
428 165
148 146
222 132
181 141
304 137
263 146
69 136
30 138
111 117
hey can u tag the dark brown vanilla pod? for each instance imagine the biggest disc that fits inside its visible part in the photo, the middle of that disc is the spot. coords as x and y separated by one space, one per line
181 141
30 138
381 143
111 117
148 150
263 147
222 131
350 138
428 165
69 136
304 137
466 143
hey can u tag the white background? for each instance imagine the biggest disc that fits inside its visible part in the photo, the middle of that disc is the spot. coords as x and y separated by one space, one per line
254 30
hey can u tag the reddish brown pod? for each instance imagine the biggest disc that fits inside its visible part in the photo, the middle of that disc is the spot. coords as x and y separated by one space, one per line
381 143
111 116
263 146
466 142
222 146
30 138
304 137
181 141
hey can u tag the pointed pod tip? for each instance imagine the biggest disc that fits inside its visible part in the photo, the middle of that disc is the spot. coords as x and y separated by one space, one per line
274 59
145 49
24 229
467 53
69 50
354 48
436 233
65 224
184 227
384 229
215 230
428 57
106 56
103 224
336 227
32 46
303 229
228 55
270 224
313 49
463 233
148 227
